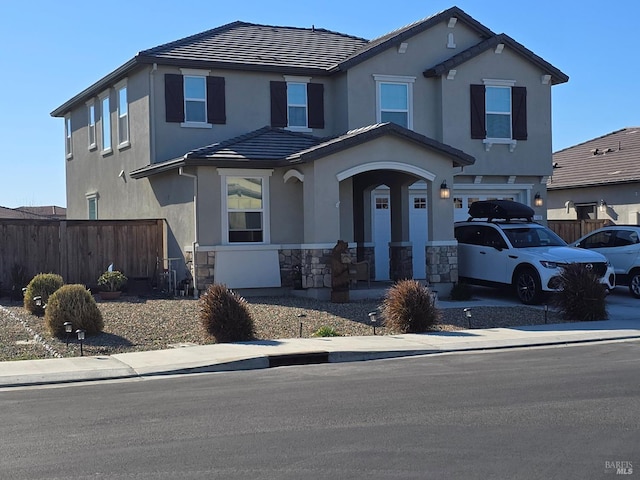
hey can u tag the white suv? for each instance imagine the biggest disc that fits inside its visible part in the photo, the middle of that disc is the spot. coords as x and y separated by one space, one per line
621 245
521 254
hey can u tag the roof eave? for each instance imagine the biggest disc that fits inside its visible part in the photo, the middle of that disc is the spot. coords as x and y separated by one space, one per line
105 82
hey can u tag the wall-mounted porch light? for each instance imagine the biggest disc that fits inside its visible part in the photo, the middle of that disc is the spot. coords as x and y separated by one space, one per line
445 192
537 200
602 206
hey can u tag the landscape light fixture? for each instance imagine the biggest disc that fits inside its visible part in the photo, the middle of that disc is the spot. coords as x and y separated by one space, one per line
537 200
467 314
68 328
80 334
445 192
38 301
373 318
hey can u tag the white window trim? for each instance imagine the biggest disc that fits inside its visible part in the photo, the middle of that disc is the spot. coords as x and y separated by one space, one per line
68 137
91 104
192 72
398 79
118 87
489 142
102 97
92 196
297 79
263 174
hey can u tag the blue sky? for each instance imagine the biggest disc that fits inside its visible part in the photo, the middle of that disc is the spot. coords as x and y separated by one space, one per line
52 50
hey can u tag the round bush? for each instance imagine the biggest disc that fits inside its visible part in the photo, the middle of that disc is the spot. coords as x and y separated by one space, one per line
581 297
225 315
42 285
408 307
75 304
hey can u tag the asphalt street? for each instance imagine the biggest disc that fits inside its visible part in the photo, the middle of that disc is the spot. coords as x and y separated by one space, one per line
562 412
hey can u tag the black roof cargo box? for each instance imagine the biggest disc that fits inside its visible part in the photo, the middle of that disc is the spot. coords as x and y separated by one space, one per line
500 209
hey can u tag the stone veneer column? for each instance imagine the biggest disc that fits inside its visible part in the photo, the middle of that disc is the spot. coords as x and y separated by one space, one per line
442 263
401 260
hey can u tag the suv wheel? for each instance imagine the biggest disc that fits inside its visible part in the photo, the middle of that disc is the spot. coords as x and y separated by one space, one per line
528 288
634 283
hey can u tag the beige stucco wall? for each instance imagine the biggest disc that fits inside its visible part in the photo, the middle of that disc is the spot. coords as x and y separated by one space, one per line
622 202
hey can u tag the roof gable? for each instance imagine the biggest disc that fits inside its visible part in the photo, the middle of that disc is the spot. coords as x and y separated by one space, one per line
442 68
610 159
399 35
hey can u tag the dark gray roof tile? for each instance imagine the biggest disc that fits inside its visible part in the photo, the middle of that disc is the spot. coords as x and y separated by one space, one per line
606 160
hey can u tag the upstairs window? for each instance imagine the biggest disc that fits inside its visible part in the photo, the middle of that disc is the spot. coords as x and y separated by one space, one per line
195 99
394 99
68 144
297 104
123 116
91 116
498 112
106 123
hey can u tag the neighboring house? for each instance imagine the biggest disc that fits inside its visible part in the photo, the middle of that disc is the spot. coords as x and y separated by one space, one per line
51 211
597 179
33 213
262 146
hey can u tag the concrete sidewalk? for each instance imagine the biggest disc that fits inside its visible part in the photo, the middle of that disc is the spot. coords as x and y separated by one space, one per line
265 354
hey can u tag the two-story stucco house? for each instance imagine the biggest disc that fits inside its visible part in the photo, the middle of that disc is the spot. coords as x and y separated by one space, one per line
262 146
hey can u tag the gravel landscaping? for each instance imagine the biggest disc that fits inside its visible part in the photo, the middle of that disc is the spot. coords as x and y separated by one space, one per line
137 324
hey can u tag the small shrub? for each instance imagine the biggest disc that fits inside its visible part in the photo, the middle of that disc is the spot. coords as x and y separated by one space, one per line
582 296
225 315
408 307
112 281
75 304
326 331
460 292
42 285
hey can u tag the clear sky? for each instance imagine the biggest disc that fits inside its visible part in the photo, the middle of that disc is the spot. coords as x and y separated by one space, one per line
52 50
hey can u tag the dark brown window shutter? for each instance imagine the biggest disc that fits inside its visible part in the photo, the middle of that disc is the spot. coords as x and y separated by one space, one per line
519 112
478 125
279 104
216 106
315 99
174 97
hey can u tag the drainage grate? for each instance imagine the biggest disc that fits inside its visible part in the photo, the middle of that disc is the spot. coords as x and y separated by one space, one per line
298 359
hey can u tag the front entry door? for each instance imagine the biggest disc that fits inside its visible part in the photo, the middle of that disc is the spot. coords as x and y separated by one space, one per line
381 234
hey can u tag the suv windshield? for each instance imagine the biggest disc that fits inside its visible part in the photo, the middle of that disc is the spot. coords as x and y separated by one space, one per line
524 237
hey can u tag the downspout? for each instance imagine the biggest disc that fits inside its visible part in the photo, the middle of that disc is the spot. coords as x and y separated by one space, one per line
195 227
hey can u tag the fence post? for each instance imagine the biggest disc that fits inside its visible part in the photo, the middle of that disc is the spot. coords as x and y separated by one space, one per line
63 248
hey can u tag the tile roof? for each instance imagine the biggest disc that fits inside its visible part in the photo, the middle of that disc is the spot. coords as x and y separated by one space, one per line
556 75
16 213
46 210
609 159
286 50
266 47
272 147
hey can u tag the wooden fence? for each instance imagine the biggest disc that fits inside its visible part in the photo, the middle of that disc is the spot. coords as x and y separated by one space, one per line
572 230
80 250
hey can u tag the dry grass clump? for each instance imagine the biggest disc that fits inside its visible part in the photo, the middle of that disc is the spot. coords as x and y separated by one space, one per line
225 315
40 288
75 304
582 297
408 307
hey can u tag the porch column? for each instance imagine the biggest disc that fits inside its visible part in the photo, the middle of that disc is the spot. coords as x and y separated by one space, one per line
400 250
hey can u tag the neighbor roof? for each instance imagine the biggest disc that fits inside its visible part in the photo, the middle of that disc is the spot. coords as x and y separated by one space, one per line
271 147
609 159
16 213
